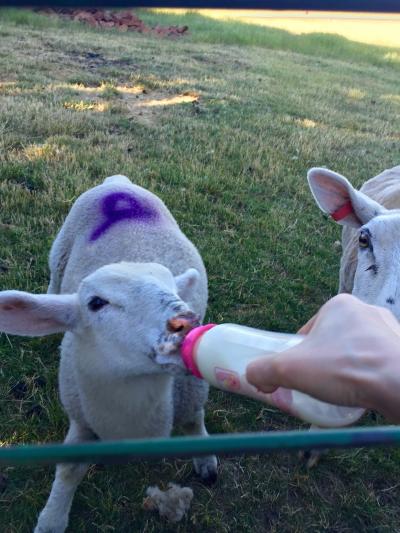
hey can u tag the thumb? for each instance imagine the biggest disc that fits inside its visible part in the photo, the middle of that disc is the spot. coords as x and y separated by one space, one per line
285 369
262 374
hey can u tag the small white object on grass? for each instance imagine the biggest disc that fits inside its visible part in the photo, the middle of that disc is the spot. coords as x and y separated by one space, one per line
173 503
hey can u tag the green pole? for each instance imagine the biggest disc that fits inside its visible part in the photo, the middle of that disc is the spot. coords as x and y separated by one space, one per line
227 444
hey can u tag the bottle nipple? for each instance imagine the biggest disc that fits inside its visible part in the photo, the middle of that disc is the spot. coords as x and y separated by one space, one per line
189 346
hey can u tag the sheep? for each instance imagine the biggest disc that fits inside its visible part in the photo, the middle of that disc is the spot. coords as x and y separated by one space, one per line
371 220
126 285
370 244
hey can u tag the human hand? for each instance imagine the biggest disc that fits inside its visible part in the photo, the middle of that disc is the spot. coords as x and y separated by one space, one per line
350 356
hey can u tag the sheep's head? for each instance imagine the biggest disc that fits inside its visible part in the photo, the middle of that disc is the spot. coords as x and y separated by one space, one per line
377 277
134 312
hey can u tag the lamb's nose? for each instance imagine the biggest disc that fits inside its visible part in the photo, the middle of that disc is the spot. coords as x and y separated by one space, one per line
182 323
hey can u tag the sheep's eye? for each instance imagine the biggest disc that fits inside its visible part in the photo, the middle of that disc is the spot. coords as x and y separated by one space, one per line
97 303
363 240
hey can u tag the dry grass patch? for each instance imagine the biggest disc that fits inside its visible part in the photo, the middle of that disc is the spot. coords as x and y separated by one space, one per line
148 106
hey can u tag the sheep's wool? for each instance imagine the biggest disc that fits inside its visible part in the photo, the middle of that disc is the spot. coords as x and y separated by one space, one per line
173 504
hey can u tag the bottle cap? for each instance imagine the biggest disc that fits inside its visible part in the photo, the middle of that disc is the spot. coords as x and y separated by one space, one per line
188 348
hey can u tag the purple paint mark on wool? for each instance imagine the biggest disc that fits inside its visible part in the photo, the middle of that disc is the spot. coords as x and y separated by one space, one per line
120 206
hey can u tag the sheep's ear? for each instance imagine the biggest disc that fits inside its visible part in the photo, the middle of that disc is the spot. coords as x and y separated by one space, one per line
187 282
34 315
336 196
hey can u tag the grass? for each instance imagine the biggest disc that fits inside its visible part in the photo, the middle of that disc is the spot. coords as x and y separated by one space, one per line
77 105
337 40
368 28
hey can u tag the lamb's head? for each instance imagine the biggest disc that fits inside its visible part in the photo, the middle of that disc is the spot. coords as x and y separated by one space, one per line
135 312
140 308
377 277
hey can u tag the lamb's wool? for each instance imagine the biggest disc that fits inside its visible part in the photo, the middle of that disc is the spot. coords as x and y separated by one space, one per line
173 503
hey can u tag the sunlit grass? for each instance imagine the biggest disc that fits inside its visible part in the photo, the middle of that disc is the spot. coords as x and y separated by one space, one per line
393 56
99 107
306 122
46 151
174 100
391 98
356 94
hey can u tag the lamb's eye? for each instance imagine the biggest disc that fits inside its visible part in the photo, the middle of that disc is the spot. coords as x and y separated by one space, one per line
363 240
97 303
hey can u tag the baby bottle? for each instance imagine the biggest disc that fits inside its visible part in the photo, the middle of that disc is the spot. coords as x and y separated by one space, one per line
221 353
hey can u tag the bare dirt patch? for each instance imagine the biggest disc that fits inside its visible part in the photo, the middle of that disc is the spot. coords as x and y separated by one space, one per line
94 60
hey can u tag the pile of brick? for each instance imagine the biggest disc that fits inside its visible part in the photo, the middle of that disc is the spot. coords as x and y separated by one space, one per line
121 20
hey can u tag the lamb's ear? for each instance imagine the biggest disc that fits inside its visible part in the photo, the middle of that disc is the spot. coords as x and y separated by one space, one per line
336 196
34 315
187 282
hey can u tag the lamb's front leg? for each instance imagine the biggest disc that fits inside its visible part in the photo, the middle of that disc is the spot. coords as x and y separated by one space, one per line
312 457
54 516
190 395
206 466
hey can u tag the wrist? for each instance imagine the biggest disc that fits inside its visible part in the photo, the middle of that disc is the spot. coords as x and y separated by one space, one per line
374 392
382 388
385 398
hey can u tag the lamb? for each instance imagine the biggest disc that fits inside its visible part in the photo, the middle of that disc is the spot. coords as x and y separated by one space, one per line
126 285
370 243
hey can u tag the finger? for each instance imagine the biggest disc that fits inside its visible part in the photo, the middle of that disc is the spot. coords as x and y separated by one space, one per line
268 373
291 369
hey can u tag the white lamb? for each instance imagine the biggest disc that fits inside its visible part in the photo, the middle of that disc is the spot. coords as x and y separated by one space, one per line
113 291
370 239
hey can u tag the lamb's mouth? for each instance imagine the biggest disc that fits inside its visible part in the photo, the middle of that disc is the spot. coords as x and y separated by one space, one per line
168 349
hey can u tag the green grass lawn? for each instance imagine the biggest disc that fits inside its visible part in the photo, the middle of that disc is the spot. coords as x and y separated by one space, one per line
222 125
